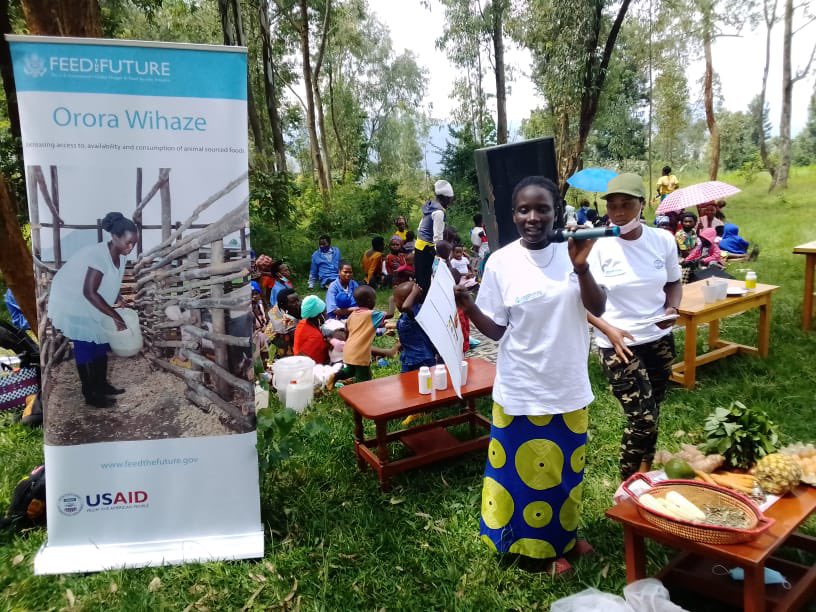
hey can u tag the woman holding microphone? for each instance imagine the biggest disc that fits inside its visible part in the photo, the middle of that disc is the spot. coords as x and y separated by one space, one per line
533 299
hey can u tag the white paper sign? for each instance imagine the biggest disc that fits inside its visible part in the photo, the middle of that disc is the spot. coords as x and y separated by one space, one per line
440 320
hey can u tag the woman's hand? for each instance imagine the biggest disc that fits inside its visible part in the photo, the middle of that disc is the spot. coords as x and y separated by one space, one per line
579 251
669 310
464 298
119 322
616 337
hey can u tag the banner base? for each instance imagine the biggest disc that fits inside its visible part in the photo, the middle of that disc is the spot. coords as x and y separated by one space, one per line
93 558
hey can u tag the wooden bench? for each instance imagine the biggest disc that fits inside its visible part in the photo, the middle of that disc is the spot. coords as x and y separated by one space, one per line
395 397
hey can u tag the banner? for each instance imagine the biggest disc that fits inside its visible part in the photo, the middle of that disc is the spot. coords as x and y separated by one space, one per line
136 166
439 319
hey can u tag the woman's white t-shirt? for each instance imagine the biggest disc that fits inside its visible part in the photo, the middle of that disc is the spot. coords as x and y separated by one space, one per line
69 309
634 273
542 361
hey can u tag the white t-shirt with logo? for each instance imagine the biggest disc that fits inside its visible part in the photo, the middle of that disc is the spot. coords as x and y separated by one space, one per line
634 273
542 361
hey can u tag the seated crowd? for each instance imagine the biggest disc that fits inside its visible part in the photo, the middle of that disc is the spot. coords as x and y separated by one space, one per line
339 329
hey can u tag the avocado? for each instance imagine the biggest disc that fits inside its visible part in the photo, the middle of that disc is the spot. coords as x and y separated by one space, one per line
677 468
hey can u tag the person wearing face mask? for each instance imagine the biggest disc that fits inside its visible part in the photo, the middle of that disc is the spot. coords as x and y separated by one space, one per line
325 263
534 297
641 274
83 295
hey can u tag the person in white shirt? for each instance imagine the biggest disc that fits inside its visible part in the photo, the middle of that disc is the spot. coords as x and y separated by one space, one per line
478 239
431 231
460 263
533 299
641 274
81 303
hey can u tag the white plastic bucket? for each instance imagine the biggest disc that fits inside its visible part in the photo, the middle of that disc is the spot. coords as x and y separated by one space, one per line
299 395
288 369
128 342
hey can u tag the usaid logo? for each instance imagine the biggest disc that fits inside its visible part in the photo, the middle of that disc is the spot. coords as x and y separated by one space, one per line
34 66
116 498
70 504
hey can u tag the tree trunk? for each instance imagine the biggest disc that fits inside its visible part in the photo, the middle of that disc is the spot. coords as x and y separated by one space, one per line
501 90
79 18
10 89
270 89
311 122
781 178
708 91
15 257
770 19
233 30
593 84
318 98
340 145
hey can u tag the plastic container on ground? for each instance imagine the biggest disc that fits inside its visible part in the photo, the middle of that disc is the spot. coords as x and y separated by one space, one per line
299 395
284 371
128 342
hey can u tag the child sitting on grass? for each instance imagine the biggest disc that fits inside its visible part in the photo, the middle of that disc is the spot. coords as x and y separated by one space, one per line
706 252
393 261
335 333
417 348
362 326
460 263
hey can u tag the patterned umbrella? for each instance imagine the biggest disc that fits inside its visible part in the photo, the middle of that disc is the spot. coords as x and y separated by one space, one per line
592 179
693 195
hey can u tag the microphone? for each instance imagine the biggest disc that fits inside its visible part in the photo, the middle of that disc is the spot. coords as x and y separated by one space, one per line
562 235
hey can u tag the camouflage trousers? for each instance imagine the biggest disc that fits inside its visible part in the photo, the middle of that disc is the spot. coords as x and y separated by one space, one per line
640 387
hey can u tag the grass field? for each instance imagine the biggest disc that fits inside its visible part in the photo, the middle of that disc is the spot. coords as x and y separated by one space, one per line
335 542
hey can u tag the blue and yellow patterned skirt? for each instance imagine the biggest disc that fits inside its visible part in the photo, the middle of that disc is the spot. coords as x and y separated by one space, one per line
531 497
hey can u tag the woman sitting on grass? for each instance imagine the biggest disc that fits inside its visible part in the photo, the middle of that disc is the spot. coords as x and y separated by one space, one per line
340 294
534 297
309 340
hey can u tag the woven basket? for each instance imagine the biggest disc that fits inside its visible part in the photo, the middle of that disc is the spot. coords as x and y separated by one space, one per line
701 494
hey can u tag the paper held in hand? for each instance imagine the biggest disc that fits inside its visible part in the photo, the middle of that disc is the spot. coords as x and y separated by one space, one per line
439 319
660 318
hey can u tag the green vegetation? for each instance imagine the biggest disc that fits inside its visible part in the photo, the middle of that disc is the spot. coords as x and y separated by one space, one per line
335 542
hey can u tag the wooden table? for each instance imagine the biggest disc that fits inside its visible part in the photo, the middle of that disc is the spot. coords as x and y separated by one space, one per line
396 397
809 251
694 312
691 570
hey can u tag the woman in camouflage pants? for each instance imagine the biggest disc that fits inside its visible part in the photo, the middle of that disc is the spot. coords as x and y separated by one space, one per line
641 274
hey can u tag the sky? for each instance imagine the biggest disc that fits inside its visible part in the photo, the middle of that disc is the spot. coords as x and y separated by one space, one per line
738 61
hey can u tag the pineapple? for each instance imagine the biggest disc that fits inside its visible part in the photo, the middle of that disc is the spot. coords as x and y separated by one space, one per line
777 474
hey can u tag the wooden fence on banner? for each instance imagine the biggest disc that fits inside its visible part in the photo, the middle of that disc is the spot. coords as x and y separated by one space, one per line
189 273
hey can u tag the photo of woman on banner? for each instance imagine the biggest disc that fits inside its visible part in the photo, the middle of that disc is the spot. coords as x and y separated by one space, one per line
84 295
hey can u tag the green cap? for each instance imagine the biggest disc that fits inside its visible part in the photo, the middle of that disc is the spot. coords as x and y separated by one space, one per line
626 183
311 307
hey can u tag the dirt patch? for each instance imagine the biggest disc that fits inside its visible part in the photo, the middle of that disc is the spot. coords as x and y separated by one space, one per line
153 407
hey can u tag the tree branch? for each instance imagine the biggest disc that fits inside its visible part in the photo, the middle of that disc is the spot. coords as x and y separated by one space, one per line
801 74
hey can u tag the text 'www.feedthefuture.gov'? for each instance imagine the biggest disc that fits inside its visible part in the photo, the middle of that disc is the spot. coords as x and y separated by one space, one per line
149 463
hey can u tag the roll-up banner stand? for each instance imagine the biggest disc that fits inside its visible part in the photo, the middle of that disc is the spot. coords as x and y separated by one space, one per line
136 169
